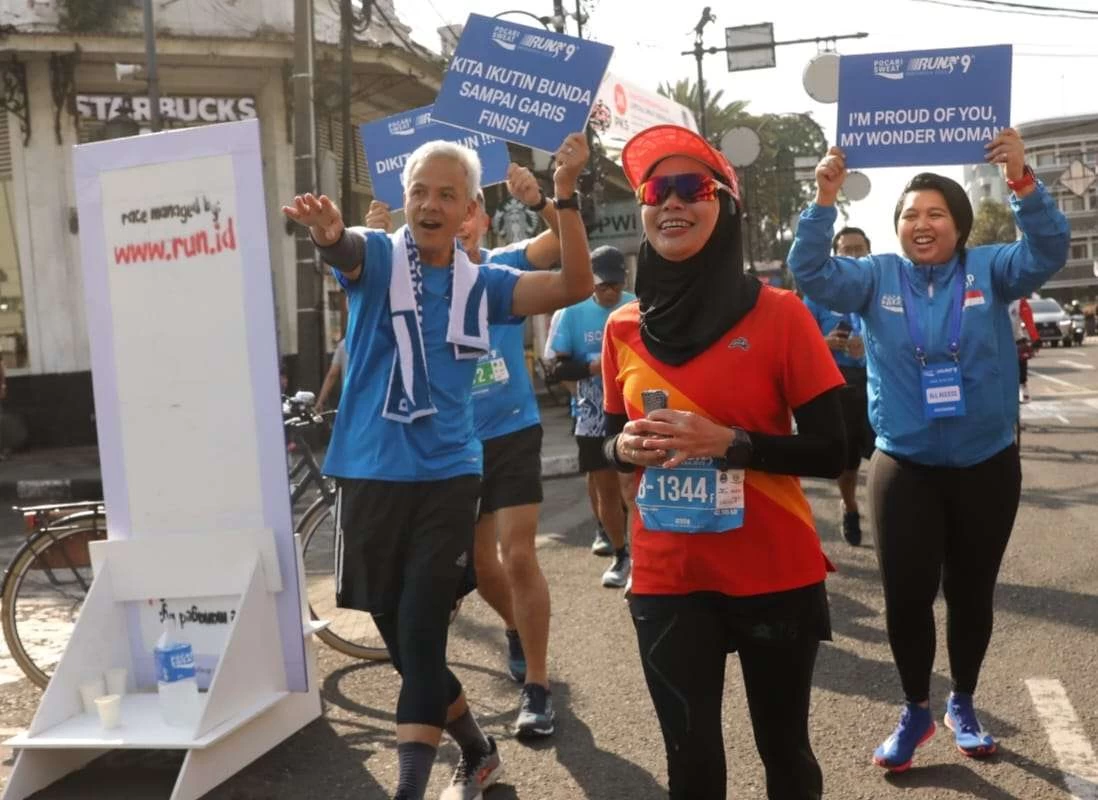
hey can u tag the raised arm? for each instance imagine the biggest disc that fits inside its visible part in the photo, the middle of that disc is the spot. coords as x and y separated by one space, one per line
543 251
836 282
542 292
339 247
1021 267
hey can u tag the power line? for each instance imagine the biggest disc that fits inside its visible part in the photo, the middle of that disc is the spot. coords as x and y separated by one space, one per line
1072 13
1028 7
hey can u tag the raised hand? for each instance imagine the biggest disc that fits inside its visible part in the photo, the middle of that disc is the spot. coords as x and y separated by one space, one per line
522 185
379 217
830 174
320 215
571 158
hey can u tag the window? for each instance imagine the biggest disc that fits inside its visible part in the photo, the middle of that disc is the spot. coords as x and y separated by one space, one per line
1078 250
1072 202
13 327
1046 158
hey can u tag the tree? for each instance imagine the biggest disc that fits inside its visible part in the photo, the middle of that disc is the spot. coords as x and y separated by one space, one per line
770 191
993 223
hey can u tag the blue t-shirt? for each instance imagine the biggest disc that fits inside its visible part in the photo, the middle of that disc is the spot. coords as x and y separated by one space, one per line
503 395
442 445
827 319
579 336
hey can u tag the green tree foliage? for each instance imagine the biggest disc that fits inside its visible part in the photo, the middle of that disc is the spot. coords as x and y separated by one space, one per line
993 223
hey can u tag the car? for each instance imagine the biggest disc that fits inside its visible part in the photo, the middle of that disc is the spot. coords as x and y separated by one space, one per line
1053 323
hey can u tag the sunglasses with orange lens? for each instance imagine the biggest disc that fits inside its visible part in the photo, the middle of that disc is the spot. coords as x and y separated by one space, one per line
691 187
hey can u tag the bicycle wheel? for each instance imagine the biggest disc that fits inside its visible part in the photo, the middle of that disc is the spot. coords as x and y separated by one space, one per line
43 591
351 632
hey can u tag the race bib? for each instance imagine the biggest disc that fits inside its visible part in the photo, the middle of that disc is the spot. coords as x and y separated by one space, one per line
943 391
694 497
491 373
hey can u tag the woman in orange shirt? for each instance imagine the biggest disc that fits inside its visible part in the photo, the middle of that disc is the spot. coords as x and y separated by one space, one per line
726 554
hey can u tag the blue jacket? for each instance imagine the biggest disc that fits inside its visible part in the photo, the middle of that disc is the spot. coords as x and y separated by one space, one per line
994 276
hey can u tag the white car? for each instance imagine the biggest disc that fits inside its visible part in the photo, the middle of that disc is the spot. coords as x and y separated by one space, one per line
1053 323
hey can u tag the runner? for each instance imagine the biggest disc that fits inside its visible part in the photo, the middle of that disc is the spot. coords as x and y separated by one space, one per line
726 559
404 447
945 481
577 341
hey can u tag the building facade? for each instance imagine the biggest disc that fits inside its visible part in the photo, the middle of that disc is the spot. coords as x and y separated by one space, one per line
219 62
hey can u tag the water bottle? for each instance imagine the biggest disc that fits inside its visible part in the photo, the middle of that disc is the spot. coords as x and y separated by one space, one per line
176 683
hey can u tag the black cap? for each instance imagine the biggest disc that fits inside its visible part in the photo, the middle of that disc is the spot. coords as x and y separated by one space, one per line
608 264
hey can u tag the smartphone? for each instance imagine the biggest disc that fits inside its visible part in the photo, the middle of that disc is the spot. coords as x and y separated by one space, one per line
653 399
844 327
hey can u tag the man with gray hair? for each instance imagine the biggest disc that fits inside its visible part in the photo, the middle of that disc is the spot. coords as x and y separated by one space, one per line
404 448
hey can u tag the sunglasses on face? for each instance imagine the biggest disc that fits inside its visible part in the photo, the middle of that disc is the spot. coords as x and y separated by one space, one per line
691 187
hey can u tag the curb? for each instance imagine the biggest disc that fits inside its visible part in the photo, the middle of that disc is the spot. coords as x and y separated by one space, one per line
559 466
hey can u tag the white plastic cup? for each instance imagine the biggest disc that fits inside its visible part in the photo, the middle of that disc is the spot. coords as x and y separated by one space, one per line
90 690
116 680
109 707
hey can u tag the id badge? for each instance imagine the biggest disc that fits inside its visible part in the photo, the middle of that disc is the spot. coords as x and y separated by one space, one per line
943 391
694 497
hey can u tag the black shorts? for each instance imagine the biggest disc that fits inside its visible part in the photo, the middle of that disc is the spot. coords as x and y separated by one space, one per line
855 406
393 535
591 457
512 470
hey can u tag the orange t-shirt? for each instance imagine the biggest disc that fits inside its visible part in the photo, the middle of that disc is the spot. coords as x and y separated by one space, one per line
772 361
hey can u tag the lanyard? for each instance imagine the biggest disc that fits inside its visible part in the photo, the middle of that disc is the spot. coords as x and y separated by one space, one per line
955 308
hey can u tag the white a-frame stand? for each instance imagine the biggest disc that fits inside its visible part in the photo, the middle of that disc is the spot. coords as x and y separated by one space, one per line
247 710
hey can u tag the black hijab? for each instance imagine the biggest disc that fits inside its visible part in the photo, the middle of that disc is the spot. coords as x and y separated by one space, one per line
687 305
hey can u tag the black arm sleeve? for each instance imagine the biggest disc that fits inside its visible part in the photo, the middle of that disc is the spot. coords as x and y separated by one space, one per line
615 424
347 254
571 369
817 450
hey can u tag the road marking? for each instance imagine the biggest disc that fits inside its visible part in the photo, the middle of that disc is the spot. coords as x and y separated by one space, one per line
1066 736
1074 364
1057 380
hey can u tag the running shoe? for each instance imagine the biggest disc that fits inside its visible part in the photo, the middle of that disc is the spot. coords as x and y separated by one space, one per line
971 738
915 728
617 574
474 775
516 658
536 716
602 546
852 528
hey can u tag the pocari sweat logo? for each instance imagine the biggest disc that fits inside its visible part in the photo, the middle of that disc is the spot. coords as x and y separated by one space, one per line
893 303
505 37
891 68
402 127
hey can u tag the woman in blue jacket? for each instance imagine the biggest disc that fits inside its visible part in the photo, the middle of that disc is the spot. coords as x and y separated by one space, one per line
942 366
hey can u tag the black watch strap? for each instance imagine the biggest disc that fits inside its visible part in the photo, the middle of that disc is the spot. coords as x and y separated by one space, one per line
572 202
540 204
738 455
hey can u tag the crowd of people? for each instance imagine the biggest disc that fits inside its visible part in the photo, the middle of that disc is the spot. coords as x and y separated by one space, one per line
699 403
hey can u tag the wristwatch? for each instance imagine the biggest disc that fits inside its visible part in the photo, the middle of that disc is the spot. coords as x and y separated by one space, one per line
738 454
540 204
1028 179
572 202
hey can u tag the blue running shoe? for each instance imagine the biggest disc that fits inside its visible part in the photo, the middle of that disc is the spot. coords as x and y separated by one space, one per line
516 657
971 738
916 727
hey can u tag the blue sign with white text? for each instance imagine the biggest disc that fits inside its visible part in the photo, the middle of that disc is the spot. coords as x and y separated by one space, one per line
923 107
388 142
522 84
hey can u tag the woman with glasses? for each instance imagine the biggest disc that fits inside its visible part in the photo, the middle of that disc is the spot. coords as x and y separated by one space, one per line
703 376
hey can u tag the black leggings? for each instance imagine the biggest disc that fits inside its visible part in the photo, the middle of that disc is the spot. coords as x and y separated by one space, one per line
948 526
426 694
684 644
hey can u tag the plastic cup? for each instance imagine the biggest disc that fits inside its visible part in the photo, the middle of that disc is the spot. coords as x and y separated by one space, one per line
109 707
90 690
116 680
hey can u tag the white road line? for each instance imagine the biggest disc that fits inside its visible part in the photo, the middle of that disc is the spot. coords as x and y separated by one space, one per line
1074 364
1057 380
1066 736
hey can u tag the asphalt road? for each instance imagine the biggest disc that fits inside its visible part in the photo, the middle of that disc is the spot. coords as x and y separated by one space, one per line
1038 694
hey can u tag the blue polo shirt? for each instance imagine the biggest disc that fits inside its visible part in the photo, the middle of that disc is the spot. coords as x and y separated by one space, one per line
438 446
827 319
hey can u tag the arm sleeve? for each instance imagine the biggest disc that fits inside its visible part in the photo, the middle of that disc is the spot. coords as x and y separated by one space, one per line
1020 268
347 254
841 284
817 450
572 369
615 424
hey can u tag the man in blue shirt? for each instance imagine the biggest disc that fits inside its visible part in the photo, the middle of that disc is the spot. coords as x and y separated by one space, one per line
508 424
843 334
577 341
404 446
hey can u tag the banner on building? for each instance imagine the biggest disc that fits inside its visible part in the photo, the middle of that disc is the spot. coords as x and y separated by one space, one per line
388 142
186 110
526 85
623 110
925 107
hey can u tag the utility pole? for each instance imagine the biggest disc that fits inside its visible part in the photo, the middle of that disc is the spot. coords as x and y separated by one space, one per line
310 339
558 15
580 18
155 120
706 17
347 25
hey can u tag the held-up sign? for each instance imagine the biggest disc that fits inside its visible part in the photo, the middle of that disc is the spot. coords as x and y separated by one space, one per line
923 107
388 142
525 85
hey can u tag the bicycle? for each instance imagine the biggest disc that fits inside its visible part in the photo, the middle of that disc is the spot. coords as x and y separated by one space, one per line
47 581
